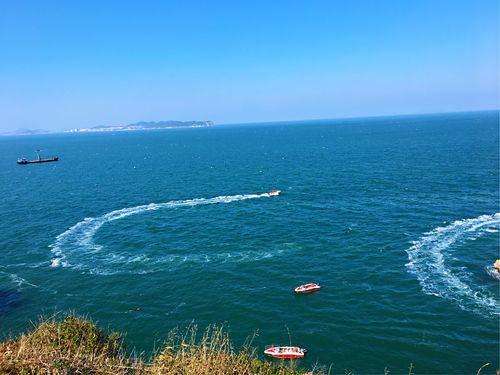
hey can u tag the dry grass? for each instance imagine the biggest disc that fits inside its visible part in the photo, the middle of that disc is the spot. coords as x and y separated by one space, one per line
76 346
212 353
71 346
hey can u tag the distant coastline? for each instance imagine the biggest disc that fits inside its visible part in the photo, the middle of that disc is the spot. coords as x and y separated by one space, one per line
143 125
25 131
170 124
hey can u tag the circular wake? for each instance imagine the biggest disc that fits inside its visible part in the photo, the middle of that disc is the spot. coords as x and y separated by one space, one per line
427 262
76 248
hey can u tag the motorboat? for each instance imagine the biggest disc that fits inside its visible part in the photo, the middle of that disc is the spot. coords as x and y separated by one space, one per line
285 351
274 193
308 288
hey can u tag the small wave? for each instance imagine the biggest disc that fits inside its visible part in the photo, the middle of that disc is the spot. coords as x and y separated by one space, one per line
17 280
427 262
75 248
493 272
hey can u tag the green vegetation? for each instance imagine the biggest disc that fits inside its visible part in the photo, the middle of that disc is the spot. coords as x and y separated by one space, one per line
76 346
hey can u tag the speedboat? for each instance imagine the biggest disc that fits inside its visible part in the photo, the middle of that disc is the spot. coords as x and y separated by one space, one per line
274 193
308 288
285 351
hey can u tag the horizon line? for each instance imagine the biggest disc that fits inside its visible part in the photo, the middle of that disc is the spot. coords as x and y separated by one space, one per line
361 117
64 131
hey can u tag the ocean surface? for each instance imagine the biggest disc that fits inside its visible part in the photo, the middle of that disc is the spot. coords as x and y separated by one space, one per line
396 217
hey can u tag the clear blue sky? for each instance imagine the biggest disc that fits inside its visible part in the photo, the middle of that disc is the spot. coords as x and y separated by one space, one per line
66 64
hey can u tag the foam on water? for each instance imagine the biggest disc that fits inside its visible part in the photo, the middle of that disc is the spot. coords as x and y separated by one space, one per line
76 248
492 271
16 280
427 261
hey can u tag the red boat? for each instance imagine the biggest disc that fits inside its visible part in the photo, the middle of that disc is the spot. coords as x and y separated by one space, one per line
308 288
274 193
285 351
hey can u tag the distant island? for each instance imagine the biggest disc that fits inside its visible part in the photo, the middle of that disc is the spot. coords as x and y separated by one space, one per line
25 131
143 125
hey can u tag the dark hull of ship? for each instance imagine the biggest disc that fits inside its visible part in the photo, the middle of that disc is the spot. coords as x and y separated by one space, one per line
37 161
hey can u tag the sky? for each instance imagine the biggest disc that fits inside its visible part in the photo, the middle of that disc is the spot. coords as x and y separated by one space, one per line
67 64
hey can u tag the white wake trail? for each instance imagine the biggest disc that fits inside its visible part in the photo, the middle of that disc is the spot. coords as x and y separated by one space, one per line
80 237
427 259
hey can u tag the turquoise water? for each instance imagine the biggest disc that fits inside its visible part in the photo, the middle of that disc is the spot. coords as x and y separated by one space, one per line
396 217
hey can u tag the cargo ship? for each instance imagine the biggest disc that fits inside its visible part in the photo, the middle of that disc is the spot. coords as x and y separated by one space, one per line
37 160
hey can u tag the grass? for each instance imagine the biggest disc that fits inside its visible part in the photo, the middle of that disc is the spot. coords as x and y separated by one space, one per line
75 345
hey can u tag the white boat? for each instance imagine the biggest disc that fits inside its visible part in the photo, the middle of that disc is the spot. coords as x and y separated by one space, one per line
285 351
274 193
308 288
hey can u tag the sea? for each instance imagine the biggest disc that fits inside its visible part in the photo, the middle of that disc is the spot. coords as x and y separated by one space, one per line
397 218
